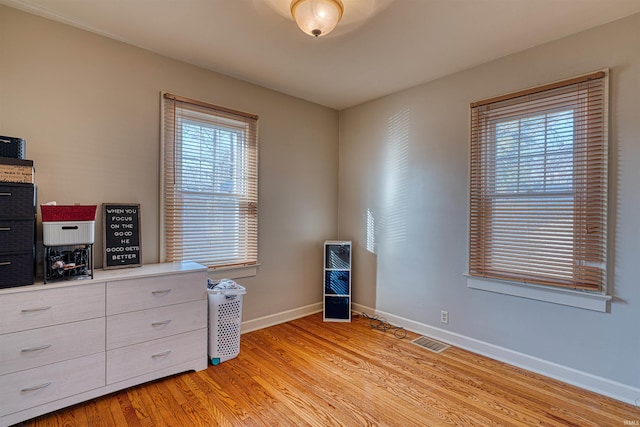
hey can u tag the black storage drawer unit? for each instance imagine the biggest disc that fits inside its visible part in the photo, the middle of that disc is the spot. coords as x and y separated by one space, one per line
12 147
17 234
16 269
17 201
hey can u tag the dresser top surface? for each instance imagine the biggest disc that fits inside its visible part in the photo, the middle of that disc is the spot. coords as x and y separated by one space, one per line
101 276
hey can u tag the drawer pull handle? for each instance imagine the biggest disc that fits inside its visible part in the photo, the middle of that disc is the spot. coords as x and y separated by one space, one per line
164 322
69 227
5 262
161 292
5 194
5 228
35 387
31 310
29 350
164 353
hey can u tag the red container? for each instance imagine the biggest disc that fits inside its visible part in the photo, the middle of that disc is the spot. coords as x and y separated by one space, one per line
54 213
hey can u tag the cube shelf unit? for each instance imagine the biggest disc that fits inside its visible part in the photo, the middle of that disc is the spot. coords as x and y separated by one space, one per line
337 281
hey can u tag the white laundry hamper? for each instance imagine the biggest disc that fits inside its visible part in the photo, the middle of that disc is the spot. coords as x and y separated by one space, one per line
225 316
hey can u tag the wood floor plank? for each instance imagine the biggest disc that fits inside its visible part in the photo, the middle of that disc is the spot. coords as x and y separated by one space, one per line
403 382
324 392
236 394
141 411
310 373
336 399
194 412
212 414
127 409
358 374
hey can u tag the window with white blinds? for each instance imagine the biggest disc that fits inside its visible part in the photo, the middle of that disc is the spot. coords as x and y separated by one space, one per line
209 184
538 189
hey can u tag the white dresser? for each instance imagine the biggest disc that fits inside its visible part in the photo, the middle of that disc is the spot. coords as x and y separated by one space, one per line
71 341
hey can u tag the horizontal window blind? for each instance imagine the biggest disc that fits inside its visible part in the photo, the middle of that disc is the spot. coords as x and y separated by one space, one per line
538 185
210 184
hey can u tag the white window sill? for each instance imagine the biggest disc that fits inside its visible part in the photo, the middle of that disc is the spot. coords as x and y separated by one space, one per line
573 298
234 272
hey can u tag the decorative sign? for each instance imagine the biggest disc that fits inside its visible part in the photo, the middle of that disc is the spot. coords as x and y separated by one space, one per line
121 235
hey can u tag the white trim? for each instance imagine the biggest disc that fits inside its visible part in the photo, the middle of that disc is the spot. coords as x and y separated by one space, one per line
585 380
162 244
570 297
235 272
277 318
359 308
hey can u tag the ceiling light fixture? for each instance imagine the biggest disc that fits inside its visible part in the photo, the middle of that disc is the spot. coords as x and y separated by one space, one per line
317 17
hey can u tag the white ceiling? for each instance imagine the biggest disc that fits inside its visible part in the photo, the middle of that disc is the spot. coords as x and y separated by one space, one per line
380 47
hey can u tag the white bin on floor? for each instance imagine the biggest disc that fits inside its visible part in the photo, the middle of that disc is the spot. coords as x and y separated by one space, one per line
225 316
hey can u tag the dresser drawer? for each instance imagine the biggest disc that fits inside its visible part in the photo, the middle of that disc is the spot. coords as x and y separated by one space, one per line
146 325
132 361
36 347
44 306
150 292
17 201
17 235
26 389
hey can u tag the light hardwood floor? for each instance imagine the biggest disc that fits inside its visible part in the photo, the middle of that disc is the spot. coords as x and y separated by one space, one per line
310 373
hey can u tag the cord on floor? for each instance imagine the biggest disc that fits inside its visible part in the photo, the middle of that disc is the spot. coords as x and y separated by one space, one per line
381 324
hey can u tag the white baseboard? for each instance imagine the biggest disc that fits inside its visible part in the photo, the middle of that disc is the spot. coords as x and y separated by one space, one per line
359 308
282 317
600 385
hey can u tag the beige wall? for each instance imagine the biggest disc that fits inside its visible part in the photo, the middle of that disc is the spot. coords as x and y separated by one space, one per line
404 159
89 109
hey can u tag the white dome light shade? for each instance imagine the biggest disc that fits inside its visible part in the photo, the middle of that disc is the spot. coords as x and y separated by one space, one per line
317 17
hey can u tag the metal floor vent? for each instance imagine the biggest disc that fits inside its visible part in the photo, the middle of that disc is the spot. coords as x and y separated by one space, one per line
430 344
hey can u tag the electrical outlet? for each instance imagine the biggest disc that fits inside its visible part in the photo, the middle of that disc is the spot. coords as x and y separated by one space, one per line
444 316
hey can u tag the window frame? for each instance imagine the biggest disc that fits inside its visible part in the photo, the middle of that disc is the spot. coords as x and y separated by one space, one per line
174 178
483 278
